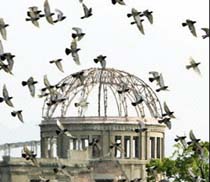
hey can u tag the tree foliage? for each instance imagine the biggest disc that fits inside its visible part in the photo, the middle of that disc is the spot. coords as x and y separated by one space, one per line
176 168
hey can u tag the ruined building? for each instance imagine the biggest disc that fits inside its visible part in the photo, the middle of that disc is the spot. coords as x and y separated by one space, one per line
104 106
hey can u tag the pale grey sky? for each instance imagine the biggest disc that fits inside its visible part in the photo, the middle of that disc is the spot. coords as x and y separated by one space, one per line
165 47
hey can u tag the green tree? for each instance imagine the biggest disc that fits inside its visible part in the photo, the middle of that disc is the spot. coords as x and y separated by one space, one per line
193 157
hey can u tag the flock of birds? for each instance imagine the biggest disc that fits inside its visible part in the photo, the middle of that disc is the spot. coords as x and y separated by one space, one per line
34 14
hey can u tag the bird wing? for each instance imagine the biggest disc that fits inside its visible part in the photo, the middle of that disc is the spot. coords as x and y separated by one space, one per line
59 65
77 29
48 13
76 58
20 116
31 86
3 29
150 18
167 110
168 124
192 61
154 73
5 92
1 48
161 81
121 2
192 136
85 8
141 124
59 14
26 150
68 134
206 30
60 126
46 81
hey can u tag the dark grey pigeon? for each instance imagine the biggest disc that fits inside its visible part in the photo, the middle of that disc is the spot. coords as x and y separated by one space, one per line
31 85
87 11
148 14
191 26
18 114
206 30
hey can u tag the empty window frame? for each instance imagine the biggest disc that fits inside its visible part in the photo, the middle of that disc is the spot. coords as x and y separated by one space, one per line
136 147
158 147
152 147
127 146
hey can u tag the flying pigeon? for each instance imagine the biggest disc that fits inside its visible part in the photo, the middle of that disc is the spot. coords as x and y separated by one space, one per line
34 15
206 30
124 88
57 62
194 66
87 11
167 111
156 76
80 76
30 155
191 26
79 34
139 100
73 51
137 20
182 140
95 143
47 12
141 128
166 121
18 114
63 130
31 85
148 14
161 84
192 138
60 16
101 60
6 97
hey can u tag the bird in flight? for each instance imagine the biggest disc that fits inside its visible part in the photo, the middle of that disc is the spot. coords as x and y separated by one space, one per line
156 76
30 155
168 112
87 11
194 65
79 34
206 30
31 85
141 128
137 20
18 114
191 26
101 60
60 16
166 121
161 83
47 13
73 51
57 62
63 130
148 14
6 98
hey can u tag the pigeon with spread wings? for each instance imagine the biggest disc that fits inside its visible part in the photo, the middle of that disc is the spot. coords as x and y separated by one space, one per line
162 85
87 11
191 26
194 66
58 63
60 16
30 155
121 2
79 34
63 130
101 60
137 20
6 98
73 51
47 12
18 114
31 85
168 112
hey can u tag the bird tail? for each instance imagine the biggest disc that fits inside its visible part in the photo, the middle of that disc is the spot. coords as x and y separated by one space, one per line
184 24
68 51
1 99
129 15
24 83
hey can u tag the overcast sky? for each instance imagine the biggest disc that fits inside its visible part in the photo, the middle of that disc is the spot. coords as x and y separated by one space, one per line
165 47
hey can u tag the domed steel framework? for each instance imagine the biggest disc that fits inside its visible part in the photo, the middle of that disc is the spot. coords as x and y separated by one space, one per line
107 81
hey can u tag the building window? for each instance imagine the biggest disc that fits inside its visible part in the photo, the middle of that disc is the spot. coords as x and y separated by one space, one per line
152 147
127 145
84 142
135 147
117 152
158 147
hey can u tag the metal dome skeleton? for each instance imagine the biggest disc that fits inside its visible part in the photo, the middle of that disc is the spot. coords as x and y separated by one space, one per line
107 81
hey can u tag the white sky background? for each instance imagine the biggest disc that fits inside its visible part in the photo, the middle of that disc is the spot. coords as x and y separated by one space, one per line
165 47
